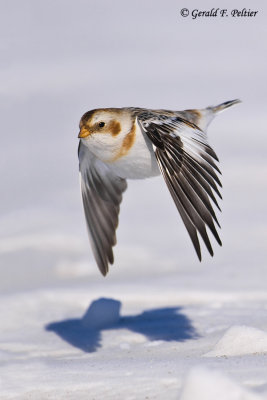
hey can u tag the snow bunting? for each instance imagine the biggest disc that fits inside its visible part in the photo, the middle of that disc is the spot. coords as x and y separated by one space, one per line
137 143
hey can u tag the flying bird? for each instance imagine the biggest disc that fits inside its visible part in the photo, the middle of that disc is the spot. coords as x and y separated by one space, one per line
117 144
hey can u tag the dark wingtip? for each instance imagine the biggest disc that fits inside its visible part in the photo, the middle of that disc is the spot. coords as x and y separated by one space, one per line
104 272
197 248
103 269
218 239
210 249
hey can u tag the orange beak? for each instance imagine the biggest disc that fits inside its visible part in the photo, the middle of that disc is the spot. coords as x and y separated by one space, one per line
83 133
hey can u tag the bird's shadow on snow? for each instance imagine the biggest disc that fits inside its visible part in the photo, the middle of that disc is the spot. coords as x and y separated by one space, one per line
165 324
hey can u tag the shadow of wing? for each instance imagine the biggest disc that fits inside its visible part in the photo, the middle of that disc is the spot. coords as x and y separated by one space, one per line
168 324
76 334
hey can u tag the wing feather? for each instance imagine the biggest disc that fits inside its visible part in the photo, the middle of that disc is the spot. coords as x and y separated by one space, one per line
196 186
101 195
187 163
184 215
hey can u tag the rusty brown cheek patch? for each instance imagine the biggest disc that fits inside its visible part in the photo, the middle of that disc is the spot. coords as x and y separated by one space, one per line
114 127
127 144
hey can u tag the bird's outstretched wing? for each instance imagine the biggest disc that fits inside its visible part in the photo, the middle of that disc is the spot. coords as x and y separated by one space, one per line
101 194
187 163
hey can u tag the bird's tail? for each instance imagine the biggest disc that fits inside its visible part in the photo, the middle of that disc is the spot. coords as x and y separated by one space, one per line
209 113
224 105
202 118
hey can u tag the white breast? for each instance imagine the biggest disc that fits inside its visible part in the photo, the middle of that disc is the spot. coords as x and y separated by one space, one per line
140 161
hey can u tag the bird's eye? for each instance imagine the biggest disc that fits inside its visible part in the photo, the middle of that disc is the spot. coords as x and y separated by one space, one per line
101 124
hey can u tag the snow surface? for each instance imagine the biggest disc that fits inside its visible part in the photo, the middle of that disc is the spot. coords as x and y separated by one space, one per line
206 383
144 331
240 340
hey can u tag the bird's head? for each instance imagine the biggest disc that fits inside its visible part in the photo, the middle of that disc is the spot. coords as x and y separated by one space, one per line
104 131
